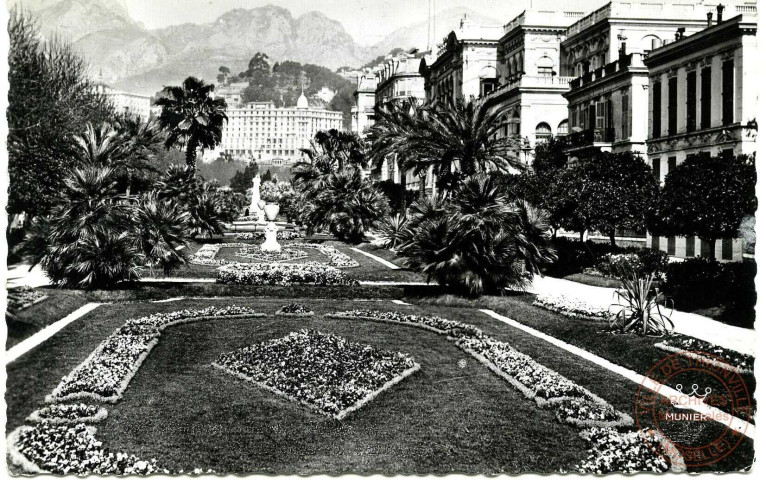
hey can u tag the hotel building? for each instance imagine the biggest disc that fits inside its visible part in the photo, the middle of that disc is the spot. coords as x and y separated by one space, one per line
702 100
128 103
261 131
530 86
363 110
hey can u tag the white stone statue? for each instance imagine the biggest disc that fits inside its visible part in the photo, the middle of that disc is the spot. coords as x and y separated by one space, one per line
255 208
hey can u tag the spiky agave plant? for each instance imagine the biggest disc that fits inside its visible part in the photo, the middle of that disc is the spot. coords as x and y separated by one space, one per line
638 307
392 229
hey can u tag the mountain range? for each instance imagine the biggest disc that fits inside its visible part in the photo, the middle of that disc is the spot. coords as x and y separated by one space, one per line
128 56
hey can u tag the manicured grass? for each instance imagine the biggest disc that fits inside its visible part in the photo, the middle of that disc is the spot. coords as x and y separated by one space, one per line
451 416
630 351
594 281
34 318
383 253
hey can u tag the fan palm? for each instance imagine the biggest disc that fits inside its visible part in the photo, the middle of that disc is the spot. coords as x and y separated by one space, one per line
192 117
456 140
478 241
161 231
143 140
206 215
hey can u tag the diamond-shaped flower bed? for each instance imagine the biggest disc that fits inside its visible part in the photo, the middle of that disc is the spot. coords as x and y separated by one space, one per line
322 371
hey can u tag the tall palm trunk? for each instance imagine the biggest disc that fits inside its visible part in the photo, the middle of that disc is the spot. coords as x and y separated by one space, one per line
191 154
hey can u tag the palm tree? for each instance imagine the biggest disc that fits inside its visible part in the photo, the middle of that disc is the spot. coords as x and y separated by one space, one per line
162 227
192 117
479 241
456 140
143 140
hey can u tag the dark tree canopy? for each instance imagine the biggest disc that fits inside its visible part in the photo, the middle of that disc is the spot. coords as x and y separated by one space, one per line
50 99
243 179
707 197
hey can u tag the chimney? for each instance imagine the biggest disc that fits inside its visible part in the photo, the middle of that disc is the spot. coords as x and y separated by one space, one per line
719 10
681 31
709 19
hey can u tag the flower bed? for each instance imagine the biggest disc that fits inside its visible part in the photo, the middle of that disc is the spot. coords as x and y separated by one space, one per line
435 324
285 255
23 297
71 450
337 258
587 413
541 384
325 372
105 374
735 361
294 310
281 235
628 452
60 414
206 254
285 274
571 307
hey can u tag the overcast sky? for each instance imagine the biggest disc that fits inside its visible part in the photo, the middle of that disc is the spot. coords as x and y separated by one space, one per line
367 21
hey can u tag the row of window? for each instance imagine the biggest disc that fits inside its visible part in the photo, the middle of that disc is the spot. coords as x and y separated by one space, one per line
705 100
727 247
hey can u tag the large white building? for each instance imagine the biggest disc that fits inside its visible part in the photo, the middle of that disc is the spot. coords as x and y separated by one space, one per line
363 110
702 100
261 131
128 103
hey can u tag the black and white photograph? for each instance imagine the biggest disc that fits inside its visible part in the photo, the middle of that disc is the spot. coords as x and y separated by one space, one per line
380 237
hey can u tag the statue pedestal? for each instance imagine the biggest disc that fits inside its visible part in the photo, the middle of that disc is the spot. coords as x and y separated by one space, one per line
271 245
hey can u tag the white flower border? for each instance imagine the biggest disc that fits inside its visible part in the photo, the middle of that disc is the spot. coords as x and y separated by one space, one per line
280 313
386 320
100 416
55 396
338 416
15 457
725 366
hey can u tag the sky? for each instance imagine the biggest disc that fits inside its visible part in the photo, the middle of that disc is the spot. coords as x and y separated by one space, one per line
367 21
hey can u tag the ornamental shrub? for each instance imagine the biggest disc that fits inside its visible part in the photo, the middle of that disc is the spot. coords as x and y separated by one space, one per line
700 283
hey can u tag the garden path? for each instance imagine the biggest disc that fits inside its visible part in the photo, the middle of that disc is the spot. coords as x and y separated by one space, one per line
734 338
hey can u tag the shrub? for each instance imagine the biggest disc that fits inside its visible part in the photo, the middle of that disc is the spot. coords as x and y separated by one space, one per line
392 230
698 283
652 260
638 307
479 241
616 264
575 256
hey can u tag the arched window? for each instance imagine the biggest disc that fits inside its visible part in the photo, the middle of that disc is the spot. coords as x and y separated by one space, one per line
545 66
563 128
543 131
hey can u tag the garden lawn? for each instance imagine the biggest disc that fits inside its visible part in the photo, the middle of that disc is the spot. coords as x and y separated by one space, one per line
453 415
630 351
34 318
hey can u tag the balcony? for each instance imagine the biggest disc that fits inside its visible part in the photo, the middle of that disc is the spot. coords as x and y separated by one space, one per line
528 81
634 61
590 137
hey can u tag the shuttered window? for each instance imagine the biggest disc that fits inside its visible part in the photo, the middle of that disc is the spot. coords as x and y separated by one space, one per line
625 118
705 98
656 168
690 247
727 249
656 110
727 92
672 246
691 101
672 105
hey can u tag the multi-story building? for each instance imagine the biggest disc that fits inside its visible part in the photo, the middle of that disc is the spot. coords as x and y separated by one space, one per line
531 85
363 110
261 131
464 66
127 102
702 100
605 50
398 78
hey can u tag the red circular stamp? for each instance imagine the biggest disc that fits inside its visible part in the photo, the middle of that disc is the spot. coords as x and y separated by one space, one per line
696 404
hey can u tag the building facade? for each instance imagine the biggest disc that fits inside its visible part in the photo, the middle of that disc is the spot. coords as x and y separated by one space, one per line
261 131
363 110
605 50
702 100
128 103
398 78
465 65
530 87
